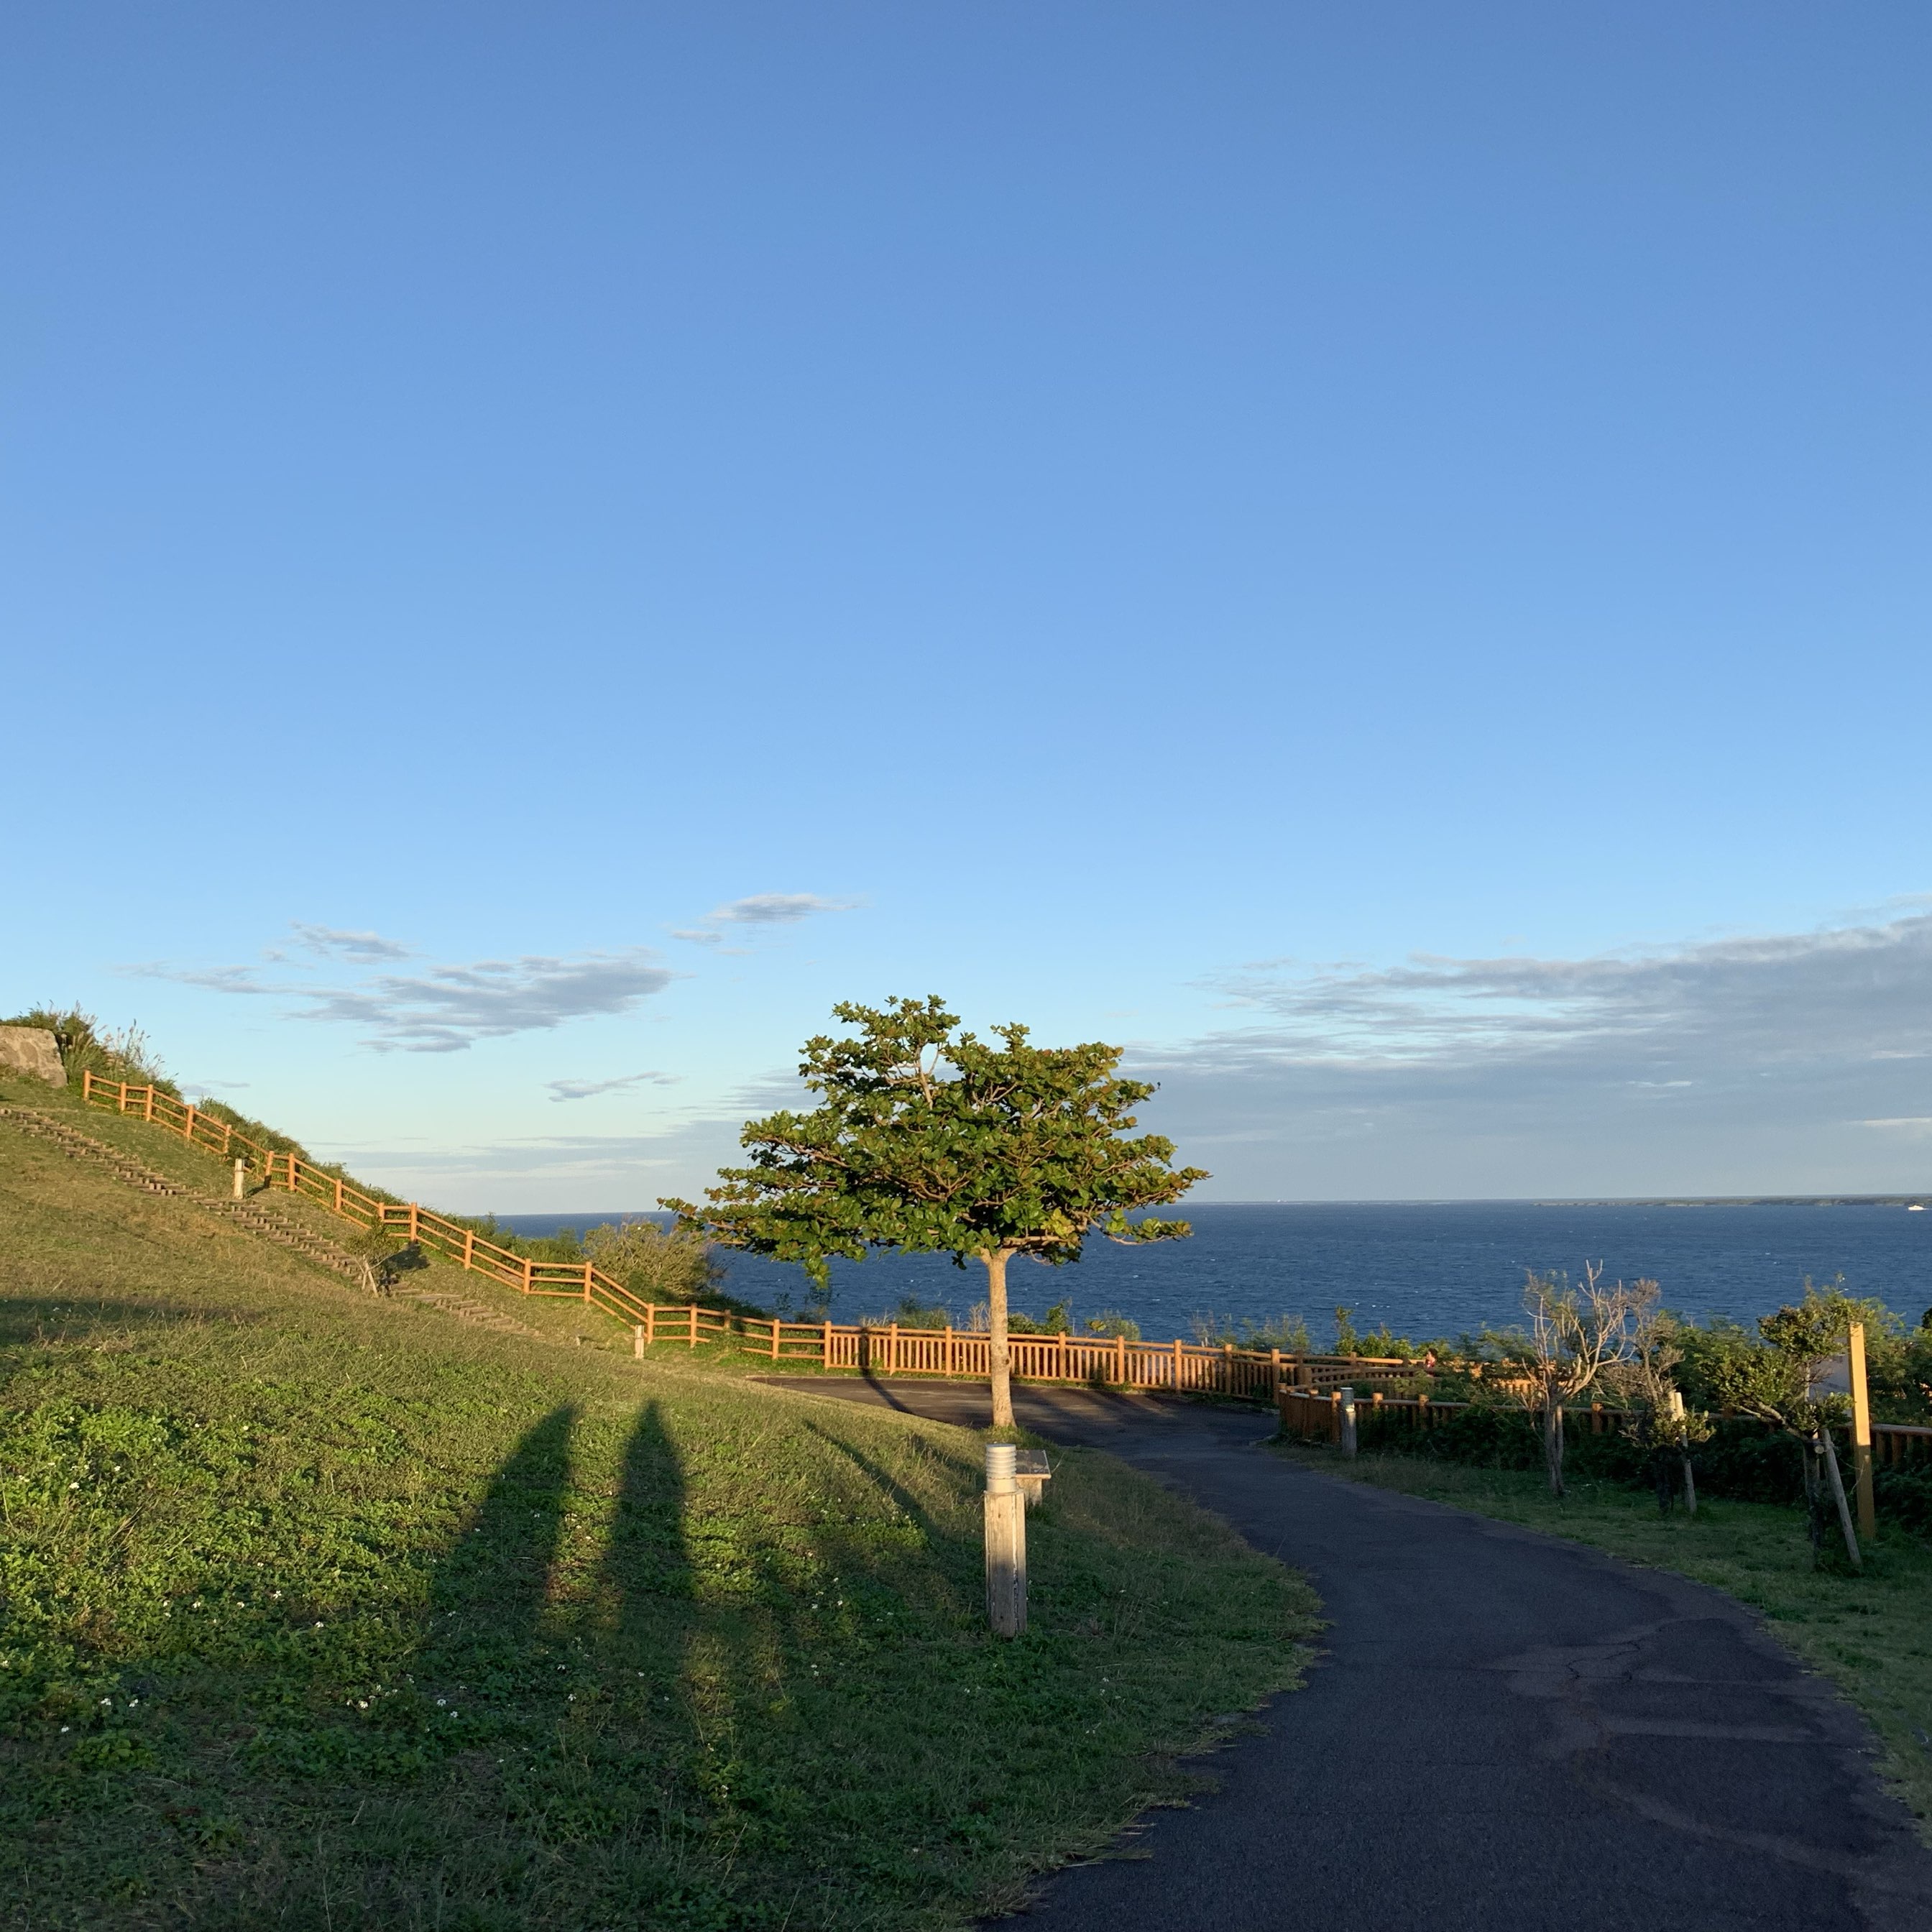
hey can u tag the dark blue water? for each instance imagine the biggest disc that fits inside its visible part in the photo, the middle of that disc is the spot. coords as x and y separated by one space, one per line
1425 1269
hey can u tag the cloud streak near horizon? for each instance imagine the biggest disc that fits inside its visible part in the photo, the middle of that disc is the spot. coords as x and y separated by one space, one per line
1761 1062
1860 989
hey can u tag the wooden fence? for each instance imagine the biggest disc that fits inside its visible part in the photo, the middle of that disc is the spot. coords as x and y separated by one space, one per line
1174 1367
1895 1445
575 1281
1302 1386
1315 1417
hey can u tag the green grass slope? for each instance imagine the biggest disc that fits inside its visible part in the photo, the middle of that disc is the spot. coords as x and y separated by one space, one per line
325 1611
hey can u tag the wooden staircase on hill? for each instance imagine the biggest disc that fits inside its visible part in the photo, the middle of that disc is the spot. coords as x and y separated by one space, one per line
258 1217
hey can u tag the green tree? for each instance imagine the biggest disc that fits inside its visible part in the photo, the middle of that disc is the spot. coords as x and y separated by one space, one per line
1781 1384
929 1140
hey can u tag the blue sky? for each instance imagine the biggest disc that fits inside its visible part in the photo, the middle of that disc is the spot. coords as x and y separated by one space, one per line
1374 555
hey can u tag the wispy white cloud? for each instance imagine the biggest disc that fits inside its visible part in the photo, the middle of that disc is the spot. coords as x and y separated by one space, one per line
585 1089
1861 991
1735 1065
777 908
445 1009
365 948
759 909
448 1008
210 978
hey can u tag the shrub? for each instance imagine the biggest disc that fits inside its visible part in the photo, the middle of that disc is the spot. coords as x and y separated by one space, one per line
1288 1333
655 1264
1058 1320
1905 1495
911 1313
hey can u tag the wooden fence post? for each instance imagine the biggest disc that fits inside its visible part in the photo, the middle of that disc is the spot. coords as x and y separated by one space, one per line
637 1340
241 1179
86 1085
1120 1358
415 1217
1177 1365
529 1273
187 1130
693 1337
892 1348
826 1357
148 1113
1006 1543
587 1280
775 1338
1345 1405
1861 1432
469 1247
650 1323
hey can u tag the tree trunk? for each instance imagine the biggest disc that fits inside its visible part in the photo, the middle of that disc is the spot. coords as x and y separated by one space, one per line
1690 1489
1814 1495
996 1337
1552 1442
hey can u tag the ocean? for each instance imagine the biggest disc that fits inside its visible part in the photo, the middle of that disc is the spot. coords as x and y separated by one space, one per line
1425 1268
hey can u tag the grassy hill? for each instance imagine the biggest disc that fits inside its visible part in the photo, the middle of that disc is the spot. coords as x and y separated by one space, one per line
322 1610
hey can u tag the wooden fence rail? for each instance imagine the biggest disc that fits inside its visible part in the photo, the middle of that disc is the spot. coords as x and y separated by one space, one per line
1318 1418
1302 1386
1174 1367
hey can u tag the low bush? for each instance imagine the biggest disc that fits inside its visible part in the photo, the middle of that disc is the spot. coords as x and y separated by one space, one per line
1745 1460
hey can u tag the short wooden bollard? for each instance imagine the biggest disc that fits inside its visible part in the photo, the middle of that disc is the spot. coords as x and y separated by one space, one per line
1006 1543
1862 1434
241 1179
1347 1403
637 1340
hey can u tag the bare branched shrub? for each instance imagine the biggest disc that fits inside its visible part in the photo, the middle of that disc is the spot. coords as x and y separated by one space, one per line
1574 1338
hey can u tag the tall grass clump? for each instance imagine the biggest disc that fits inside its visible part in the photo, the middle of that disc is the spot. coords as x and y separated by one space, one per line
87 1046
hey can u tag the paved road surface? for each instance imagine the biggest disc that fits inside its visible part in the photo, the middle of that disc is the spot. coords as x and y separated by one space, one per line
1508 1731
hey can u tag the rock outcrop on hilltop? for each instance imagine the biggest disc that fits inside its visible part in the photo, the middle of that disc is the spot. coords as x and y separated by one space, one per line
32 1050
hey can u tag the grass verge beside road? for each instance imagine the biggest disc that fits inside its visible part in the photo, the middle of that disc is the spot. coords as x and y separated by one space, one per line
323 1611
1871 1634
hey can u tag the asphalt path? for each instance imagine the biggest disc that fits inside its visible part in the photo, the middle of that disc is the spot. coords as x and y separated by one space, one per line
1506 1730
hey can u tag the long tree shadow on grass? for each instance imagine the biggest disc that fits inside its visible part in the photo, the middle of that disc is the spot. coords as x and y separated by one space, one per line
482 1636
733 1626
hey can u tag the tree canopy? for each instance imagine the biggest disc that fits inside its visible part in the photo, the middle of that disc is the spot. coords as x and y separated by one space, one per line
929 1140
